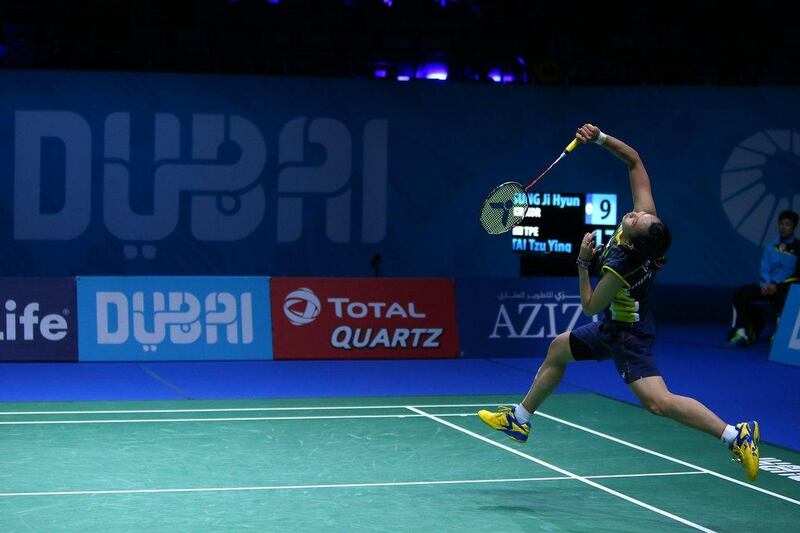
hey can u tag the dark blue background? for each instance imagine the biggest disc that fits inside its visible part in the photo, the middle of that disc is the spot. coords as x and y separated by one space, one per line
448 145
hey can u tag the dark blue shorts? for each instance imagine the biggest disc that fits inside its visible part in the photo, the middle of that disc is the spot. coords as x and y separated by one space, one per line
630 345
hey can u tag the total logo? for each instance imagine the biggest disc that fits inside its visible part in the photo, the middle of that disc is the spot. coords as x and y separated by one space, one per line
52 327
302 307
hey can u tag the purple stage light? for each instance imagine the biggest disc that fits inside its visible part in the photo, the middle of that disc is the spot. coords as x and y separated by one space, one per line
432 71
380 72
495 75
403 77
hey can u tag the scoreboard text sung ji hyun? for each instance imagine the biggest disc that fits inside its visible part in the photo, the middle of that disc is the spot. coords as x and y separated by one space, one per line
555 222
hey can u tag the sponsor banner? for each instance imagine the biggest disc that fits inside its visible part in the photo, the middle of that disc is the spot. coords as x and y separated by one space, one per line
338 318
174 318
786 346
39 319
515 317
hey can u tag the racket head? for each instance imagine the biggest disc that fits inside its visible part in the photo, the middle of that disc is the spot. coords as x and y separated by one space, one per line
503 208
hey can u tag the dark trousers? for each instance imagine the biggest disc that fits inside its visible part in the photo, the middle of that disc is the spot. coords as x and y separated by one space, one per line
744 297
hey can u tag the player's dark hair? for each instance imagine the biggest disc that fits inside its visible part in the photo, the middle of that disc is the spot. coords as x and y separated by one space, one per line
791 215
654 243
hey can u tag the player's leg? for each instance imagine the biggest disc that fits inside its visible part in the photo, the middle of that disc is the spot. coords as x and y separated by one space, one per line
550 372
514 420
742 440
653 394
586 342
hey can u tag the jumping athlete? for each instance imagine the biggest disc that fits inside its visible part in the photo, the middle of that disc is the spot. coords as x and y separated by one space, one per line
627 266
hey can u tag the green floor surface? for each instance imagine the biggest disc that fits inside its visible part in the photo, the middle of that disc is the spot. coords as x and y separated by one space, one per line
370 464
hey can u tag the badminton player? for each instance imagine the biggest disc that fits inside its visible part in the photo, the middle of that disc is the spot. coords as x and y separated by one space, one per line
627 266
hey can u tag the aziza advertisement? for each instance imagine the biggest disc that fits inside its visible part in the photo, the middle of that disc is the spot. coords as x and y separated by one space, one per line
516 317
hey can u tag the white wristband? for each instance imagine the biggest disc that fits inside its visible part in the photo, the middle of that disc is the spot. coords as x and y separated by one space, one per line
601 138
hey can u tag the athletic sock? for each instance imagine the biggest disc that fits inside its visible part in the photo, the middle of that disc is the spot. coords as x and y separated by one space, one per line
729 435
522 414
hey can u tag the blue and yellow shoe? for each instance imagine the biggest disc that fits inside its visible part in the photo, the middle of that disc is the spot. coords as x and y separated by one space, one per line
504 420
744 448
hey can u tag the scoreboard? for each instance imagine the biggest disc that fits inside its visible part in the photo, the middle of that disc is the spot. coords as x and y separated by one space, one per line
554 222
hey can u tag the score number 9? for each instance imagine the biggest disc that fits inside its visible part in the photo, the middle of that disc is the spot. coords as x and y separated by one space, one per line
601 209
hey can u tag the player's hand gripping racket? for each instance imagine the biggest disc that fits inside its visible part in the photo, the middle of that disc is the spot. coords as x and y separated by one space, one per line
506 205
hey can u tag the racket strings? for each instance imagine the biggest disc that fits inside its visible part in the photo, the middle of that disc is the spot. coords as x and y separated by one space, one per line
506 205
504 208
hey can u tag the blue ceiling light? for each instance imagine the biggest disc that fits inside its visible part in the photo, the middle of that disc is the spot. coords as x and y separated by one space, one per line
432 71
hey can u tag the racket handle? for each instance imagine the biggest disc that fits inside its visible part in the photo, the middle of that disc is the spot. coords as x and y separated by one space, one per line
571 146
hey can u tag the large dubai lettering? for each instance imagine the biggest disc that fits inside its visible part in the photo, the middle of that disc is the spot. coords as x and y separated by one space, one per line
218 167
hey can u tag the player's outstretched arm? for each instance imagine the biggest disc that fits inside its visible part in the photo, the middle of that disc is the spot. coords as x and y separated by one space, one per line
640 181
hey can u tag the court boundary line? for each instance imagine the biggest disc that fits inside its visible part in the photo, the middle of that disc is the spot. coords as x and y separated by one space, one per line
563 471
213 419
230 409
335 485
426 406
668 458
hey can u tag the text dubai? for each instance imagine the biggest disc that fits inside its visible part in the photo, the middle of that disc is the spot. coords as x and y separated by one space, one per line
179 317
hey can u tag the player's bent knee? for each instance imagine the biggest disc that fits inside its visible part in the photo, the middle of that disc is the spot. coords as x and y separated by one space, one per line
657 405
559 351
654 408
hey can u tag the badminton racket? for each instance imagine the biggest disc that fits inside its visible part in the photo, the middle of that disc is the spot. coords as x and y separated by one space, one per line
506 205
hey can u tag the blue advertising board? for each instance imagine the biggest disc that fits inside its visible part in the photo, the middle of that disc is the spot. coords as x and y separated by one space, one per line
786 345
174 318
39 319
515 317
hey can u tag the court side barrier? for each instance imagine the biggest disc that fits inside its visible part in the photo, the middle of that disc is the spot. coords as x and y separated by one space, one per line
39 320
515 317
786 346
176 318
173 318
364 318
212 318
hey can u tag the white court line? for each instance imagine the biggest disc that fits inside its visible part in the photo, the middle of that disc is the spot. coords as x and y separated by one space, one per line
563 471
212 419
429 406
333 485
668 457
231 409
